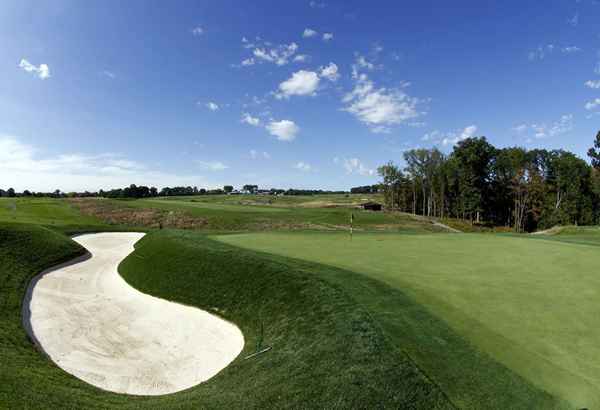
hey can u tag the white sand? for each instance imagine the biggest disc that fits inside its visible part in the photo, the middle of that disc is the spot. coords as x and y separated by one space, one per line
98 328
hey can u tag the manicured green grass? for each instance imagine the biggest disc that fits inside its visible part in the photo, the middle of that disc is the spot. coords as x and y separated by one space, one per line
57 214
327 351
528 305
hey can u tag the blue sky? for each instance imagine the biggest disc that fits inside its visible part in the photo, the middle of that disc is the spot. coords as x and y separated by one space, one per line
283 93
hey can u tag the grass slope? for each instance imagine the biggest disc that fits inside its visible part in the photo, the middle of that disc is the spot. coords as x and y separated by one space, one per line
57 214
327 350
530 305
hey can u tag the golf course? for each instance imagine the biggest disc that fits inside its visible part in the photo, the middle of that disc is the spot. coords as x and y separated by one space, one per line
402 314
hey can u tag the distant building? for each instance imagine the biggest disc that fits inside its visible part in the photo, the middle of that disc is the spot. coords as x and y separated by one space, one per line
372 206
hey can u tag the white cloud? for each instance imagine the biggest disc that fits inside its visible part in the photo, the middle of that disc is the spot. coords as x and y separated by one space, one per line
379 108
431 136
301 58
317 4
109 74
303 166
330 72
279 55
250 120
248 61
42 71
520 128
327 36
308 32
22 168
454 138
284 130
254 154
593 84
570 49
211 165
542 52
544 130
592 104
212 106
197 31
362 62
356 166
301 83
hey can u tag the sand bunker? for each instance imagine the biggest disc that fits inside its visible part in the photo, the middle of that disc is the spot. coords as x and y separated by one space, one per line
98 328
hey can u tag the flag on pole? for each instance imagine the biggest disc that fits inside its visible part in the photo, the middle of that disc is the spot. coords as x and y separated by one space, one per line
351 223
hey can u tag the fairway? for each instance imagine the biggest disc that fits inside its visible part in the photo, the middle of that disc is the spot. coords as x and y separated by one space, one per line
42 211
531 305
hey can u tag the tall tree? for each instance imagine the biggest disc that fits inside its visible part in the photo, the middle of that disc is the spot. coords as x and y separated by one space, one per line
594 152
474 157
392 181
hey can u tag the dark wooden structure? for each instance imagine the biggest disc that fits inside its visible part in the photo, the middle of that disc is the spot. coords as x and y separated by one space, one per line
372 206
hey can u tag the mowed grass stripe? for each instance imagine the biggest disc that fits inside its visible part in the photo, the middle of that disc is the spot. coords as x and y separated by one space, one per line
529 304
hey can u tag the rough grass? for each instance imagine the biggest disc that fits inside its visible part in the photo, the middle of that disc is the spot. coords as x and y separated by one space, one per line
327 351
518 317
222 213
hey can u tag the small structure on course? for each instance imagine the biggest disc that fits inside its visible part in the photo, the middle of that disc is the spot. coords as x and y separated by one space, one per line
372 206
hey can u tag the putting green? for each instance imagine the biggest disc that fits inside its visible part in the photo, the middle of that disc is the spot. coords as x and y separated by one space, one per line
532 305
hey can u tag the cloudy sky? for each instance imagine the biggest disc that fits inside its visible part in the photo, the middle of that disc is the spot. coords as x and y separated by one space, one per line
283 93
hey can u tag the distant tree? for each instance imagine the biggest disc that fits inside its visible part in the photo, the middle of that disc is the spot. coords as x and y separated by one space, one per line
366 189
10 192
228 188
250 188
594 153
26 193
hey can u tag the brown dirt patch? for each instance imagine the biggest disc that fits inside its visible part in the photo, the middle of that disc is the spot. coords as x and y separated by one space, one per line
146 217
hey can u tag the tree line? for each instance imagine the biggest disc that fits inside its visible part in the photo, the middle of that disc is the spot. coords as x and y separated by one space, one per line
514 187
142 191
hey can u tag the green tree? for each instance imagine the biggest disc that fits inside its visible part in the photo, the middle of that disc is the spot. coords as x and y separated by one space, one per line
594 152
228 189
474 158
392 181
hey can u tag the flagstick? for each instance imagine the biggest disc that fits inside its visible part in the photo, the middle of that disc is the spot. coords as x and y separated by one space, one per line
351 224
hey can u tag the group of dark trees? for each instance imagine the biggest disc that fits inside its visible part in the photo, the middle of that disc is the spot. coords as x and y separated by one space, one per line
523 189
366 189
11 193
141 191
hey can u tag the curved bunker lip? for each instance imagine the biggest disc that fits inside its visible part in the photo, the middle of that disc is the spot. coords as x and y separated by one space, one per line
95 326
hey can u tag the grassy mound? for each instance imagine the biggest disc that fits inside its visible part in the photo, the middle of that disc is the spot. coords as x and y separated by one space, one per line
585 235
326 350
